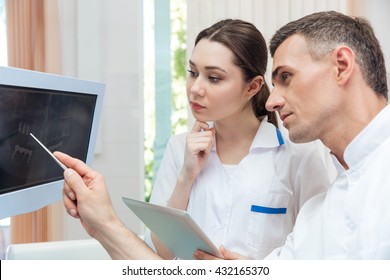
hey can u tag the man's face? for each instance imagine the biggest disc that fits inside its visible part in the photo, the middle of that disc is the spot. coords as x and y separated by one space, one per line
303 94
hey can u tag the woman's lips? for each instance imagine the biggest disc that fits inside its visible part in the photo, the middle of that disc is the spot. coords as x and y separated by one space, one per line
196 106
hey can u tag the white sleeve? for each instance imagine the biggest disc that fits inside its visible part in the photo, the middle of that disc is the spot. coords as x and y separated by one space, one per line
169 170
148 240
283 253
167 175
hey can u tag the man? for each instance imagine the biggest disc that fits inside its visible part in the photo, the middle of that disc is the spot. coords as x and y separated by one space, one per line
330 84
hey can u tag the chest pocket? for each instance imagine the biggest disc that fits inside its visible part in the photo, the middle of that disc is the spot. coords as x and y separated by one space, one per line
267 225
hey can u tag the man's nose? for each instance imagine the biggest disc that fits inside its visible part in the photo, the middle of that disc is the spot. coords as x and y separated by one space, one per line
275 101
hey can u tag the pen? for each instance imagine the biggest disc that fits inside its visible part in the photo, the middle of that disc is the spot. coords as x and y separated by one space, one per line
50 153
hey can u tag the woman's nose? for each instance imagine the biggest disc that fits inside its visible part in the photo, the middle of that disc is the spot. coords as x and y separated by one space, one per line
196 87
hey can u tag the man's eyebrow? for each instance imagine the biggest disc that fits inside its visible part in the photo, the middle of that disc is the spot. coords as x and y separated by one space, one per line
275 72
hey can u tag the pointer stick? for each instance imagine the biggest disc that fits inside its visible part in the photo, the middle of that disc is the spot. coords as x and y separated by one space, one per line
50 153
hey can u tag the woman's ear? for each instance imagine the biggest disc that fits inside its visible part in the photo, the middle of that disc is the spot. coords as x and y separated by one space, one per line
255 85
344 59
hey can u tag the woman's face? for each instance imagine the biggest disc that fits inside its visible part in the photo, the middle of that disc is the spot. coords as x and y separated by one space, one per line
216 89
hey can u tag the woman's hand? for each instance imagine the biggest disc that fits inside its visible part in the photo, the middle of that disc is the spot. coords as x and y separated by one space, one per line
199 143
227 255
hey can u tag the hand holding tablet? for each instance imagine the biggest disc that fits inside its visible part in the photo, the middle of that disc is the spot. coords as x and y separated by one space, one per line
174 227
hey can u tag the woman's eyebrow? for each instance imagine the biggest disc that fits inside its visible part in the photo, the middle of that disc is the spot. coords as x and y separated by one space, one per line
211 67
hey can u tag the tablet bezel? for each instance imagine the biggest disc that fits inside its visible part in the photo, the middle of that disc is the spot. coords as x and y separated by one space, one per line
174 227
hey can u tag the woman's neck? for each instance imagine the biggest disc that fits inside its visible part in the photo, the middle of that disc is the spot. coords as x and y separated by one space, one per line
234 139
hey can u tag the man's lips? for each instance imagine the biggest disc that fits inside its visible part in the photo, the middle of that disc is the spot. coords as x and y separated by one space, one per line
283 116
196 106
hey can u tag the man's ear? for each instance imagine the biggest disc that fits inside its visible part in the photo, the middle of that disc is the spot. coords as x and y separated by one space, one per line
255 85
344 58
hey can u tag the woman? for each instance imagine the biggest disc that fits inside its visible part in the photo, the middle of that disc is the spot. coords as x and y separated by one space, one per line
239 178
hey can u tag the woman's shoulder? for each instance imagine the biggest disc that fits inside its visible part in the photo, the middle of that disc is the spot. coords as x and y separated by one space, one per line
176 144
178 139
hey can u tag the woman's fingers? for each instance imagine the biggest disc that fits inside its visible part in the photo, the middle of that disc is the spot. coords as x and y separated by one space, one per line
200 126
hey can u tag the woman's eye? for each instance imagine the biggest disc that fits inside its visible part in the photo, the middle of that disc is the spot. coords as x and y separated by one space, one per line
214 79
285 76
192 73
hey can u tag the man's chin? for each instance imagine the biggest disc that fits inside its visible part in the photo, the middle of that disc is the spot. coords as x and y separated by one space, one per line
299 138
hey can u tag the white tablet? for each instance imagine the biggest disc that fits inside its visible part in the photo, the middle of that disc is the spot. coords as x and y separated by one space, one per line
174 227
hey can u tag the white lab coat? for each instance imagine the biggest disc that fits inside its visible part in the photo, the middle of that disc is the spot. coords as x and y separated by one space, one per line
251 209
352 220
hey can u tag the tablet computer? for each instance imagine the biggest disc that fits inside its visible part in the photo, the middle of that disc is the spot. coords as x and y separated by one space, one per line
174 227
